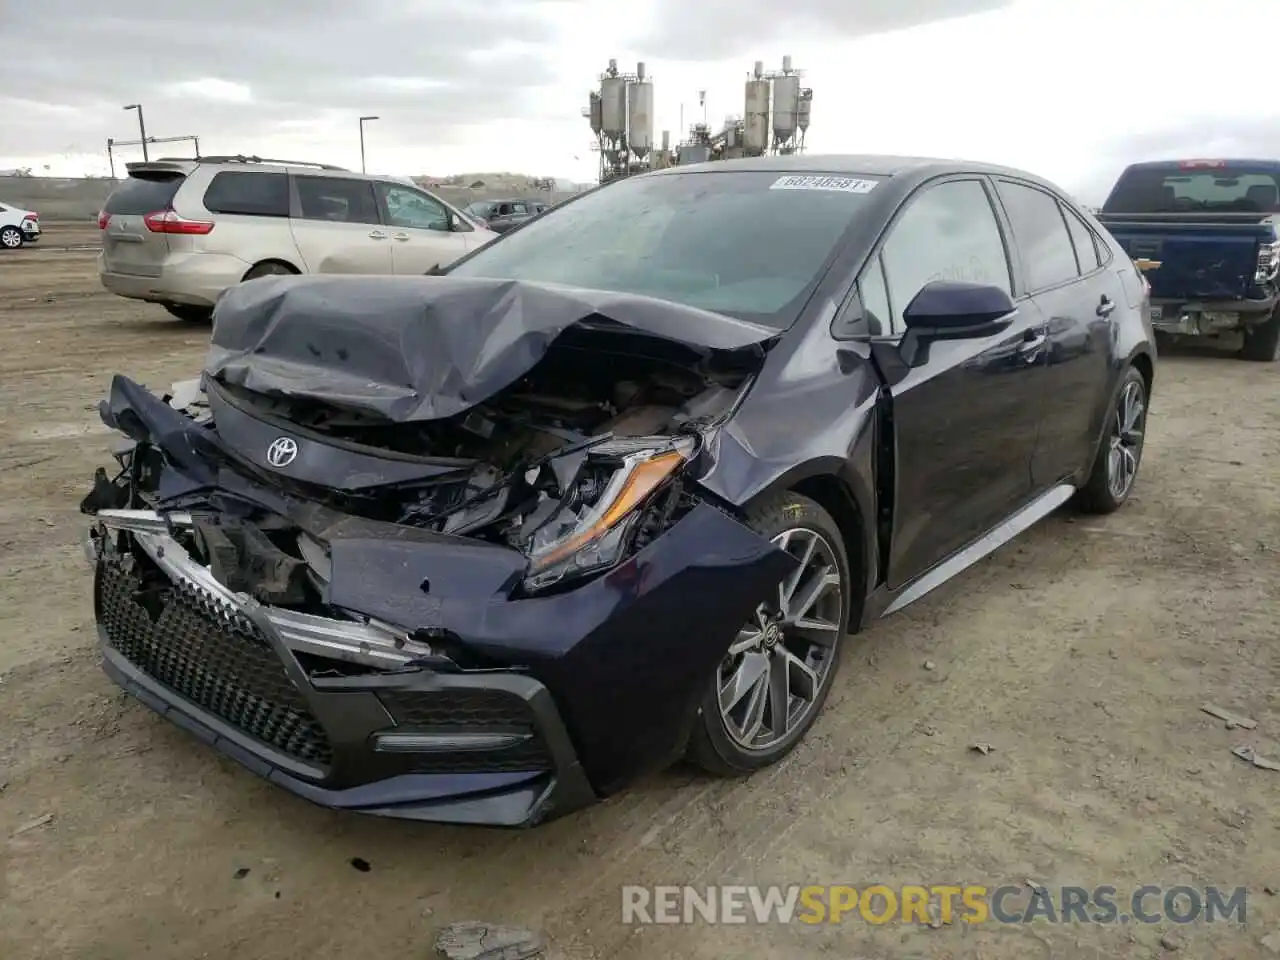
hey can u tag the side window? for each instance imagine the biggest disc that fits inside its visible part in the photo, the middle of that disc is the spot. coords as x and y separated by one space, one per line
407 207
867 312
518 208
248 194
1082 239
948 232
336 198
1041 234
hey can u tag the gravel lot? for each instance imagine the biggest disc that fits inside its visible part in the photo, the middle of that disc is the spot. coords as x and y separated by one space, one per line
1082 653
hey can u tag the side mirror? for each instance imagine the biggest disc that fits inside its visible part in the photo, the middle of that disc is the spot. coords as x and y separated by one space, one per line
953 310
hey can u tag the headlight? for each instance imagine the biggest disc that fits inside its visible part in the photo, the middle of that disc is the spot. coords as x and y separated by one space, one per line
589 527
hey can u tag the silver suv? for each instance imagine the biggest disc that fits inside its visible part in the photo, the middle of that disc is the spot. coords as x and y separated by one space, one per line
179 232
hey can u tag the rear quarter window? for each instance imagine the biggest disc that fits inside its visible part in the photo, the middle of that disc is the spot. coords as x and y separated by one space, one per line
248 194
142 195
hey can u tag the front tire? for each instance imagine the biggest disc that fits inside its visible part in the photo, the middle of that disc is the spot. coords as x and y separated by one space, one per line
10 238
1262 343
773 680
1115 467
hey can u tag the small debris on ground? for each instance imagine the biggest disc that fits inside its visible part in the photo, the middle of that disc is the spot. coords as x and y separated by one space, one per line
488 941
1272 942
1233 720
361 864
34 824
1249 755
241 873
928 732
1270 891
981 747
930 665
1171 941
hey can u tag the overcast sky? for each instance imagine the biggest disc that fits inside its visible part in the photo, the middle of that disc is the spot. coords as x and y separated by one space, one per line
1071 90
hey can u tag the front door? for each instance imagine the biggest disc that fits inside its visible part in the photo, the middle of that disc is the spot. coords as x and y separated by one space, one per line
422 235
339 230
965 420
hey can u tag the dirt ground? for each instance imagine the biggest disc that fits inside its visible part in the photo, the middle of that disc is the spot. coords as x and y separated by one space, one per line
1082 653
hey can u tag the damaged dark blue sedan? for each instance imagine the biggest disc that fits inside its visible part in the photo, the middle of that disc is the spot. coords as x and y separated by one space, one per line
483 547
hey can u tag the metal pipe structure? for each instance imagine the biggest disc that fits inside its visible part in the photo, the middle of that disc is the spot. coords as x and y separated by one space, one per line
362 120
142 128
112 143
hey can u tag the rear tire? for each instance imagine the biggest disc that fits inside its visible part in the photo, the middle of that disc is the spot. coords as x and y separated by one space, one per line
1262 343
779 671
11 238
269 269
1115 466
189 314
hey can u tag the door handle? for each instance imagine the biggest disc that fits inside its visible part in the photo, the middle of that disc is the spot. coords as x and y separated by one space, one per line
377 235
1106 306
401 237
1031 343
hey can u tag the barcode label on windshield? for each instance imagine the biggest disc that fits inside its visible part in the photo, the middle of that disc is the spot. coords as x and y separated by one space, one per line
838 184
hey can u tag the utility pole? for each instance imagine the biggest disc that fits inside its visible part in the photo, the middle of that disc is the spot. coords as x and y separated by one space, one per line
362 120
142 128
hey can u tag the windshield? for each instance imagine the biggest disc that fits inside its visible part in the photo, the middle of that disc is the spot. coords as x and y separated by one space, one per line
750 244
1229 188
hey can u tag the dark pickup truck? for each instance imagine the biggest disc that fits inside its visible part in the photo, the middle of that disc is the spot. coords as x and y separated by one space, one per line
1207 234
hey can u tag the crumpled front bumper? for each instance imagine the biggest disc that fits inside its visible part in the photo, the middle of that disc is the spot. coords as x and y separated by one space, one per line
412 743
601 685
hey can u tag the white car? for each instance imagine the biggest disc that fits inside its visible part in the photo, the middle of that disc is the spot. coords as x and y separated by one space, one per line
17 226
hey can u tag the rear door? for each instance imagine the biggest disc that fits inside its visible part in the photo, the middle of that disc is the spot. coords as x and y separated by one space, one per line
1066 274
421 228
128 247
337 227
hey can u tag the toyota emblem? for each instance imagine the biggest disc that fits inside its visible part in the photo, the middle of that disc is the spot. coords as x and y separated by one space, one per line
282 452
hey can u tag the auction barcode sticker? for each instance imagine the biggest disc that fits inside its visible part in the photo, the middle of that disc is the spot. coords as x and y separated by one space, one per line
839 184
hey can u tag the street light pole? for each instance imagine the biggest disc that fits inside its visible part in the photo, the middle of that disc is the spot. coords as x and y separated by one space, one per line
142 128
362 120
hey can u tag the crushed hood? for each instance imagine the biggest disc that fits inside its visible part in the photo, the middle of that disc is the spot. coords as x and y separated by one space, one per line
426 348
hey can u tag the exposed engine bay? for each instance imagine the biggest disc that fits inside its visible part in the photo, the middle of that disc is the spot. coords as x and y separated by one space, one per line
559 461
575 461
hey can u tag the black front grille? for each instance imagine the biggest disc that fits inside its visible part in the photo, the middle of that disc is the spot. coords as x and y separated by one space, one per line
480 711
212 656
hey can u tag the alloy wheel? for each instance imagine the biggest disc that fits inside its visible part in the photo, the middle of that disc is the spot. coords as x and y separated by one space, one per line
770 681
11 239
1126 440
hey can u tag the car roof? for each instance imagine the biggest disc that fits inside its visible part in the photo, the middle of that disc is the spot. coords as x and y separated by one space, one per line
867 165
239 163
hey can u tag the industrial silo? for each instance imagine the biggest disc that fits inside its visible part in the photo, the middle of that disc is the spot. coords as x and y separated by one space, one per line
640 114
613 106
755 132
786 107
